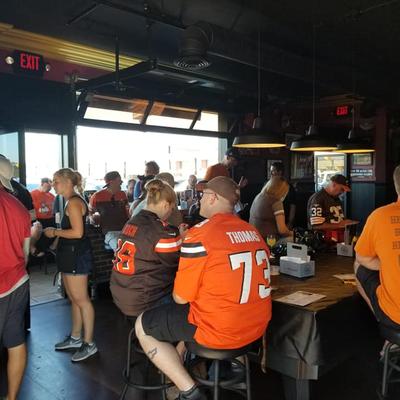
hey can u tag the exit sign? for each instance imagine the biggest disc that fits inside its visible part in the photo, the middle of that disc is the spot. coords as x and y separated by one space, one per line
28 63
343 111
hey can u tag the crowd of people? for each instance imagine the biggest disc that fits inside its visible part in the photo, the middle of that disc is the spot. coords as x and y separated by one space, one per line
180 283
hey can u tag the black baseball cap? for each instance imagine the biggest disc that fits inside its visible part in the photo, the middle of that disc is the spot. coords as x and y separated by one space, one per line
233 152
341 180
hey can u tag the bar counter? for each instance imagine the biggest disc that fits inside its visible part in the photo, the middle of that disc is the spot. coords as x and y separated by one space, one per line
305 342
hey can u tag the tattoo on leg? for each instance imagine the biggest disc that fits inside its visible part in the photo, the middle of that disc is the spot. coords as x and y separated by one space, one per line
152 353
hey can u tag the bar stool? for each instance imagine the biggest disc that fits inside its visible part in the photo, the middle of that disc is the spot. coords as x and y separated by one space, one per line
134 349
239 383
391 357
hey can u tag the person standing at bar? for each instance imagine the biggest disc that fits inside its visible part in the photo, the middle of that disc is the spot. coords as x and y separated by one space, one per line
74 260
377 265
325 210
289 204
15 224
225 167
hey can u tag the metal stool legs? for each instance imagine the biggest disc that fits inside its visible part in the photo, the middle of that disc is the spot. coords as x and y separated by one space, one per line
242 375
130 363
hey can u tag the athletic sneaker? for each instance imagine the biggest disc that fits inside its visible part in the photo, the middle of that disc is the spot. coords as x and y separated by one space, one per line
69 343
84 352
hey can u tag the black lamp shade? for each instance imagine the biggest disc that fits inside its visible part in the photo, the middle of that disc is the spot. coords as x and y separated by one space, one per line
353 146
313 143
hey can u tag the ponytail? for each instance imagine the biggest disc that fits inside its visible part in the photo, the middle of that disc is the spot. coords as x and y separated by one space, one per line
158 190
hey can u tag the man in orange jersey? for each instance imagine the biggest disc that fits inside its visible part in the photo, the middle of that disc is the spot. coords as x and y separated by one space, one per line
377 264
223 274
109 207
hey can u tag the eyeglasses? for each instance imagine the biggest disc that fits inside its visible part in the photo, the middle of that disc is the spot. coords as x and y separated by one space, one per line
201 194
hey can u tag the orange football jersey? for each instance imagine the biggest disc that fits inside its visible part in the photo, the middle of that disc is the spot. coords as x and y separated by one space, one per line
224 274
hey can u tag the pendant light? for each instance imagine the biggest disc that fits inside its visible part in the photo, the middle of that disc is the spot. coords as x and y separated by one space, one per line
258 138
354 144
312 141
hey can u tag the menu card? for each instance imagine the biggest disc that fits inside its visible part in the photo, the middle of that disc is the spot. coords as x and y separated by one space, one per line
301 298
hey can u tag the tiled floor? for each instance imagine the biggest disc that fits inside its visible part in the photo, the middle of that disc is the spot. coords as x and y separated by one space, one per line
42 289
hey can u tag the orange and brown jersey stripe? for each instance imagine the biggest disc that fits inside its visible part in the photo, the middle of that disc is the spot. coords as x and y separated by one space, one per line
168 245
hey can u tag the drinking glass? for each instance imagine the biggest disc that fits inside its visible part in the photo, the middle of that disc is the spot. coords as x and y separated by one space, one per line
271 241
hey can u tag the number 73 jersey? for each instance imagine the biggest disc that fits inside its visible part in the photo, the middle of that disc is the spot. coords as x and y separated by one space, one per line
224 274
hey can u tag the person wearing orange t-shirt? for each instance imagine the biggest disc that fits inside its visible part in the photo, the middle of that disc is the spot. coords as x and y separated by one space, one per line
224 168
43 202
377 264
223 274
109 207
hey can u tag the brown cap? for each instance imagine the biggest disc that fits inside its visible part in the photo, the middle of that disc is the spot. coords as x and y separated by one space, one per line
225 187
110 176
341 180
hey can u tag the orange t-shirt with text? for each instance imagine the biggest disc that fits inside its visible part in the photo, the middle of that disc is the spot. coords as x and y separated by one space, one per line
216 170
224 274
381 238
43 204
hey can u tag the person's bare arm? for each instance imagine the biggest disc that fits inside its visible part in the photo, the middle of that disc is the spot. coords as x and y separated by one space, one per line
369 262
75 213
26 247
178 299
280 223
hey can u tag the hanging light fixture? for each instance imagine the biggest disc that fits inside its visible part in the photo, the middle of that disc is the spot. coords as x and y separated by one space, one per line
258 138
312 141
354 144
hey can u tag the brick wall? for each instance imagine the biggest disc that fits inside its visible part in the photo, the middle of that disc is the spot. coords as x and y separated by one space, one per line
102 259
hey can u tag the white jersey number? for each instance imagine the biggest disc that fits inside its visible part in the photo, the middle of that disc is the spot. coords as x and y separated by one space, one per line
245 259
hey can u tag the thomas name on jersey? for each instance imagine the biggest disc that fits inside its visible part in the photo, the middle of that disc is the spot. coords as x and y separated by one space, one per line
243 237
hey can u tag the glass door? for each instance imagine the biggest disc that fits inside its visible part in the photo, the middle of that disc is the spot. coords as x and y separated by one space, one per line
9 148
44 154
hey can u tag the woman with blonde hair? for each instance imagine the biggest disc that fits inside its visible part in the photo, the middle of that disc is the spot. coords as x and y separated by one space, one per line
267 213
147 255
74 261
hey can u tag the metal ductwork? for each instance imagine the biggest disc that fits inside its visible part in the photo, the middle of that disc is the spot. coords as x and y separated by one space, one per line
195 41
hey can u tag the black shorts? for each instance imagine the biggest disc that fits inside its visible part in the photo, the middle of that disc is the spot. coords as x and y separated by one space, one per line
12 317
169 323
69 261
370 281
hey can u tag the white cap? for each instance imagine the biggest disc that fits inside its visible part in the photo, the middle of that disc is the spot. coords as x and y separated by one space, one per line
6 173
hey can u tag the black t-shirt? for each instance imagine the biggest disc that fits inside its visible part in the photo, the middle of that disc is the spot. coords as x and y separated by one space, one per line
322 207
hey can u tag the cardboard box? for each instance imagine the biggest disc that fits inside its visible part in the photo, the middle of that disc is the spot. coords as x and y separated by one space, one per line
297 263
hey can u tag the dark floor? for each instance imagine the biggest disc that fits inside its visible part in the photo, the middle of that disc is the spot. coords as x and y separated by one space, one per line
50 375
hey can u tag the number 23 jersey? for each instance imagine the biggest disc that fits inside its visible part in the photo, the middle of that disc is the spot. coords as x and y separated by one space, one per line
322 208
224 274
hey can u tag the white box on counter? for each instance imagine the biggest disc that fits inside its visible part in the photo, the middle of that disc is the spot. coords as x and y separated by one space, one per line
297 263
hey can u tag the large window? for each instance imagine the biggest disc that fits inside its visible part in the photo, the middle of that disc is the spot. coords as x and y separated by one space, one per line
43 157
9 148
101 150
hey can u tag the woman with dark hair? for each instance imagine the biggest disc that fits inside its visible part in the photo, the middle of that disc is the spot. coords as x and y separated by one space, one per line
74 261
